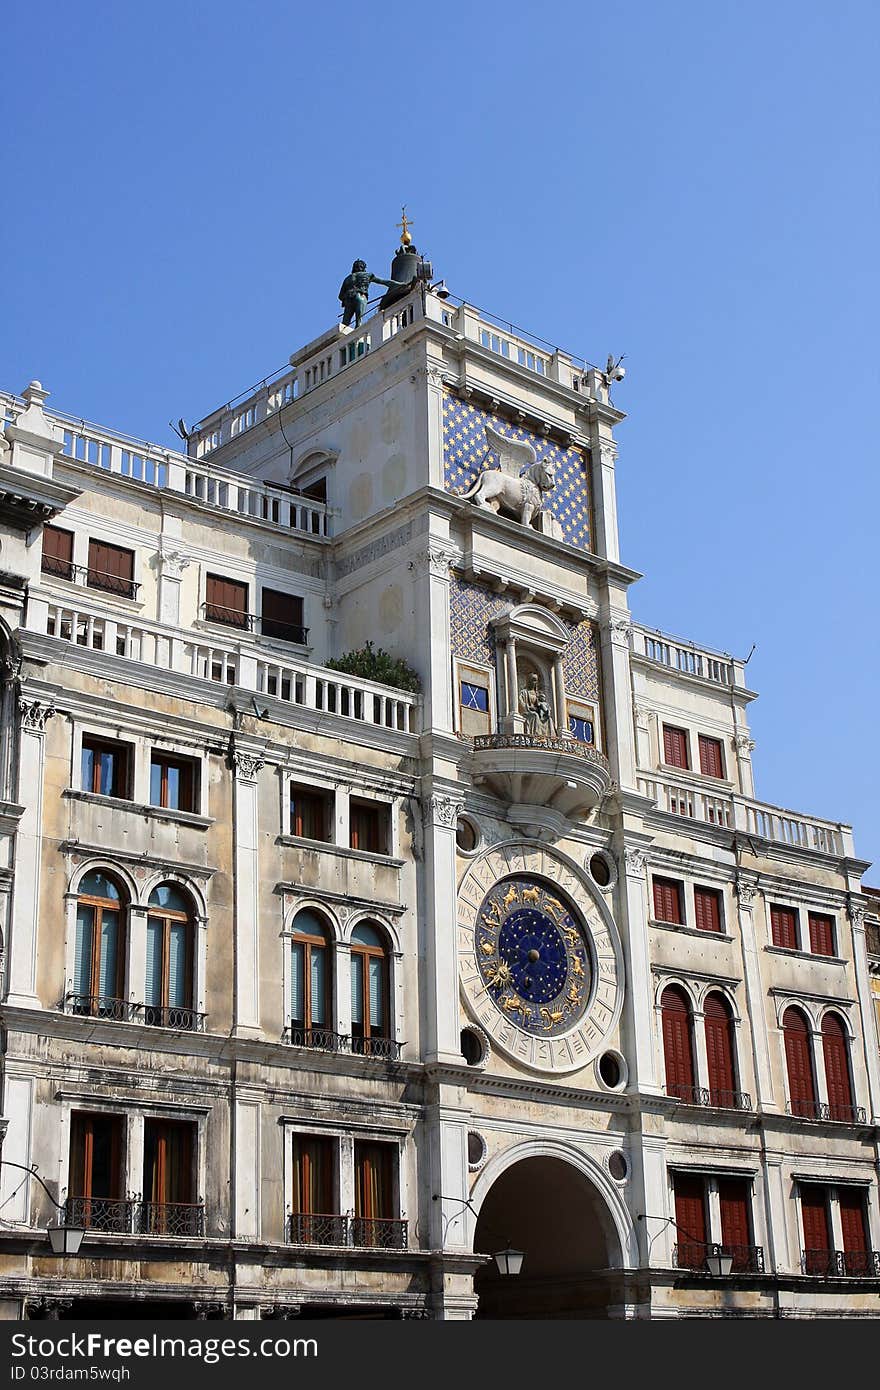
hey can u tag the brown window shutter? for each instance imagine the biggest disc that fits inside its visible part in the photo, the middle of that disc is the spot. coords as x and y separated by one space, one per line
226 600
783 927
690 1220
814 1214
719 1050
735 1203
675 746
799 1063
711 757
667 901
57 544
835 1050
707 909
852 1220
821 934
281 615
677 1047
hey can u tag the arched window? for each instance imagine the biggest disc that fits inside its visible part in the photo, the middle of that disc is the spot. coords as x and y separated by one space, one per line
310 1013
835 1048
719 1051
99 953
799 1064
677 1045
369 991
168 998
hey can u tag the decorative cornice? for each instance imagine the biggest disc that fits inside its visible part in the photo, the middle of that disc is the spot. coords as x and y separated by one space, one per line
35 714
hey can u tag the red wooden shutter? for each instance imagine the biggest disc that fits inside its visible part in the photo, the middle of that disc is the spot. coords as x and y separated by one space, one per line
677 1050
799 1063
783 927
736 1233
836 1052
707 909
667 900
719 1050
817 1234
821 934
711 757
57 552
226 601
675 746
690 1220
855 1237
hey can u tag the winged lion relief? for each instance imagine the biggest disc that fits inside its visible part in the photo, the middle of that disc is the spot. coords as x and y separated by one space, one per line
518 485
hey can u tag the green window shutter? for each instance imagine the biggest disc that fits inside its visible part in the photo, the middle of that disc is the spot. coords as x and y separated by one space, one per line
82 964
153 989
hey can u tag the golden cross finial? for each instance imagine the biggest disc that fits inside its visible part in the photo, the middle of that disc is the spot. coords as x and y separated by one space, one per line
404 225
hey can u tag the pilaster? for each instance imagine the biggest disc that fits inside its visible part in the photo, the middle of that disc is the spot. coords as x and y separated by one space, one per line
246 770
34 715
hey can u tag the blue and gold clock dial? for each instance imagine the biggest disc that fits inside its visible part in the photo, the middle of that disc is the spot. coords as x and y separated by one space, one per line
533 956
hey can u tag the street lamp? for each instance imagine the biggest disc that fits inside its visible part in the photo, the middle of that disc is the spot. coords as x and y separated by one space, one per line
719 1261
64 1239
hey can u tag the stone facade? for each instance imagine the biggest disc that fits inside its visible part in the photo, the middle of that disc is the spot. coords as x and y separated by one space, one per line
317 991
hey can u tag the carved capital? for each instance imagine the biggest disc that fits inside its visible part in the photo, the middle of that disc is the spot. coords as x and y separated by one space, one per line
856 911
247 765
620 631
441 810
174 562
608 453
435 375
641 716
745 891
743 744
436 559
35 714
635 859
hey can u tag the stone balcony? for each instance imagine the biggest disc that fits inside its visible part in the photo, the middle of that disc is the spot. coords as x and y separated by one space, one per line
541 774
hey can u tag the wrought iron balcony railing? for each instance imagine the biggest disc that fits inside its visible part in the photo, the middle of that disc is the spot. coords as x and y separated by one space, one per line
106 1215
89 576
326 1040
130 1216
711 1096
229 617
845 1264
693 1254
99 1006
822 1110
172 1016
364 1232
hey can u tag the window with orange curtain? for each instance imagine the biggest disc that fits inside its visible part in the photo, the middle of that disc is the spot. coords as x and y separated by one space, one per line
373 1191
313 1176
168 1161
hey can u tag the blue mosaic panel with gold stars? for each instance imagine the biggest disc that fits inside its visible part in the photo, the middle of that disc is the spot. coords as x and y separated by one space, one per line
471 610
464 449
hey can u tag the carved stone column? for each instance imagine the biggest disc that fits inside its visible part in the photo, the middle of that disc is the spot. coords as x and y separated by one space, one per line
431 579
638 1001
743 746
172 563
246 770
559 698
438 917
745 892
34 716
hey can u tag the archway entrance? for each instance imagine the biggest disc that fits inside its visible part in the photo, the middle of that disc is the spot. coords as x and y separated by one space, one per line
550 1211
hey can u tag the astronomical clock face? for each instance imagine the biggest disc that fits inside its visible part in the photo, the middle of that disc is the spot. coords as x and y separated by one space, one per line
538 968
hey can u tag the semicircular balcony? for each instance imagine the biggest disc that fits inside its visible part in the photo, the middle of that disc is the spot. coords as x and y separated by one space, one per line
561 774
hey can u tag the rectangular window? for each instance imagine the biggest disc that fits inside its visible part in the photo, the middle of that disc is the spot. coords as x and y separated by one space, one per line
105 767
668 901
711 756
369 826
675 747
282 616
690 1220
169 1151
57 552
111 568
173 782
735 1204
817 1228
95 1188
707 909
374 1204
226 601
313 1191
783 927
854 1228
821 934
474 697
311 813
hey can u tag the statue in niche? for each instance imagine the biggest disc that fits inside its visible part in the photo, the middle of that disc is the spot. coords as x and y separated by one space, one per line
519 484
354 290
535 710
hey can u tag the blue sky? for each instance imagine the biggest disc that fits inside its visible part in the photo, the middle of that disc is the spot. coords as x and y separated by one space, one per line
694 185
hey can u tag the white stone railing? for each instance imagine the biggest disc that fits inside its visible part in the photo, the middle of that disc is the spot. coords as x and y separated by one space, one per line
730 811
311 687
679 655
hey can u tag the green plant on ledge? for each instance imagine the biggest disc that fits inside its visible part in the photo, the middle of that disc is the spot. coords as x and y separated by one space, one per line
375 664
